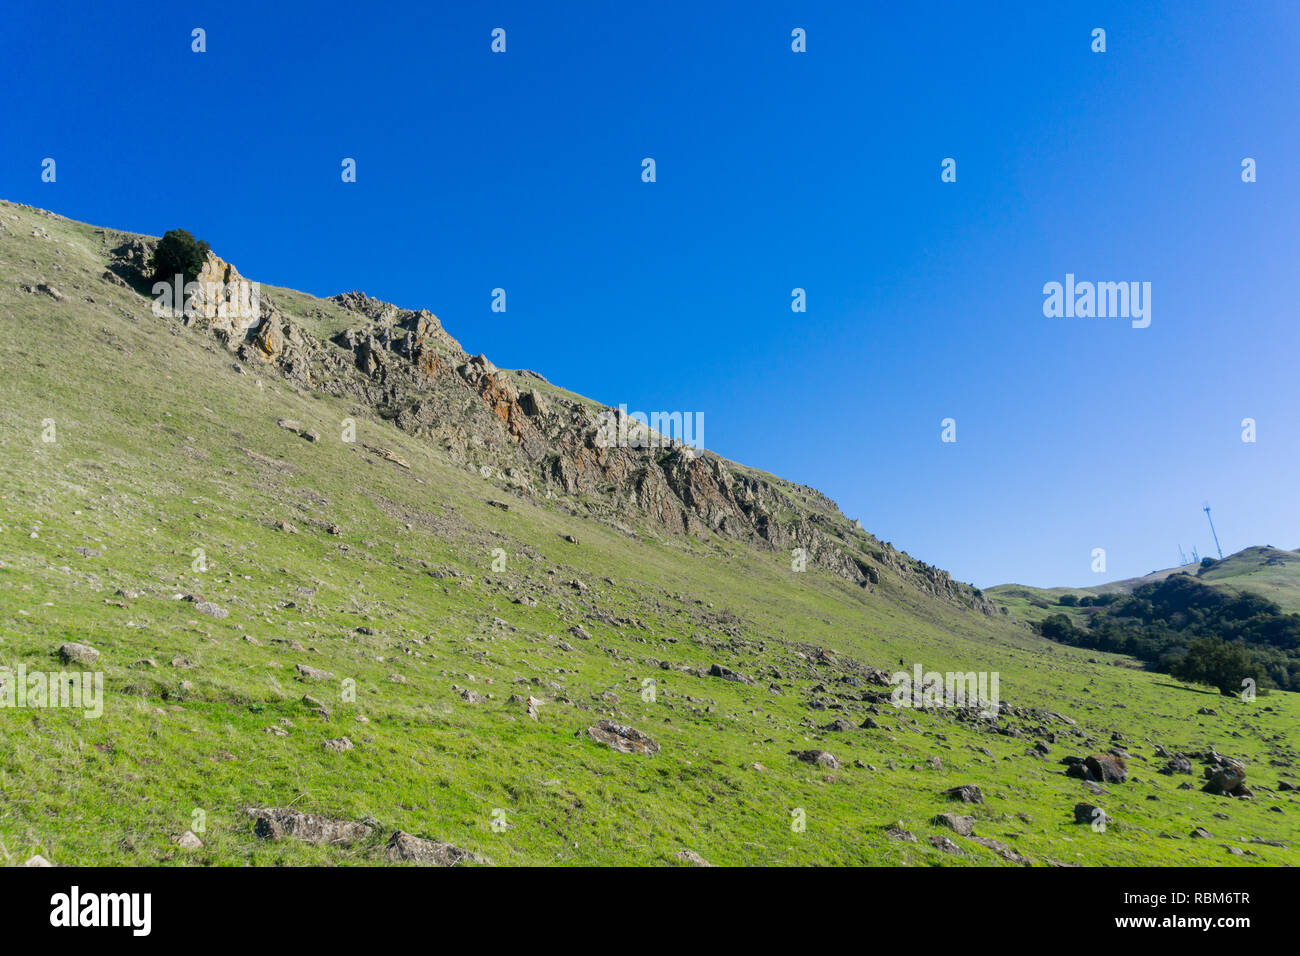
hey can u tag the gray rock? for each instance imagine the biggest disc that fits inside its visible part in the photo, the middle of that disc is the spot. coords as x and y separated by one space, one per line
1087 813
276 824
405 848
691 857
962 826
83 654
312 673
820 758
624 739
726 673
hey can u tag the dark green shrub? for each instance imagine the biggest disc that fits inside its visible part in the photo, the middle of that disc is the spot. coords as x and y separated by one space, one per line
179 253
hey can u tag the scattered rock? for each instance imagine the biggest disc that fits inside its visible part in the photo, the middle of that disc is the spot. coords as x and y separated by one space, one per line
1226 777
622 738
962 826
941 842
967 793
276 824
726 673
1002 850
899 832
338 744
188 841
312 673
405 848
1087 813
1106 768
82 654
821 758
691 857
1176 764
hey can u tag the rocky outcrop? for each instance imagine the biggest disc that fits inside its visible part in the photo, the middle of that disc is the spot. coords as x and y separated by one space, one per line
516 430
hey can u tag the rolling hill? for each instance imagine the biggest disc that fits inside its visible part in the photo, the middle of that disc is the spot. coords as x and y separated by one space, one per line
1264 570
358 597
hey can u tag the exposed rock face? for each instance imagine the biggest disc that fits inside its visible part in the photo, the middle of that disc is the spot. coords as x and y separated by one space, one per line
539 442
226 301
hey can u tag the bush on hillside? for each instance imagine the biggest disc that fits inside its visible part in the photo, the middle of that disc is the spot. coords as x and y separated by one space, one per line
179 253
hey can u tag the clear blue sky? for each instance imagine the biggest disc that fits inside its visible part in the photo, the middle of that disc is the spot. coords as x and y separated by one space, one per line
775 170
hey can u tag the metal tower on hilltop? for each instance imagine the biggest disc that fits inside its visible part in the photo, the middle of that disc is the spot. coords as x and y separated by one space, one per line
1206 509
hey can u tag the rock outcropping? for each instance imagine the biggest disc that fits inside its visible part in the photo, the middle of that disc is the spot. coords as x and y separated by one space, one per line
515 429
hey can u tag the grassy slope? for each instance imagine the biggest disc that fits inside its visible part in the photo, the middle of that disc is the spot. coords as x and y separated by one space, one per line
163 448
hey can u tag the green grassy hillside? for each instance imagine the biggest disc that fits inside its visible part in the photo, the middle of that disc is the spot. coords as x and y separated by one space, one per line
445 612
1267 571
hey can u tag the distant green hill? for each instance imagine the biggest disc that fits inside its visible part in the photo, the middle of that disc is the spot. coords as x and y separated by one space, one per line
1264 570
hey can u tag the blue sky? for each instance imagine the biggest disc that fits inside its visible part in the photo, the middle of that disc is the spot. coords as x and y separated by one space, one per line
775 170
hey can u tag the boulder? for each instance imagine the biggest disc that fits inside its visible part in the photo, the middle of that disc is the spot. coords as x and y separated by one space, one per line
620 737
1087 813
820 758
82 654
1107 769
1176 764
312 673
691 857
276 824
405 848
726 673
962 826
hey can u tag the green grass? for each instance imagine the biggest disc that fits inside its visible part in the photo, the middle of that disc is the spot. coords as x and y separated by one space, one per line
162 448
